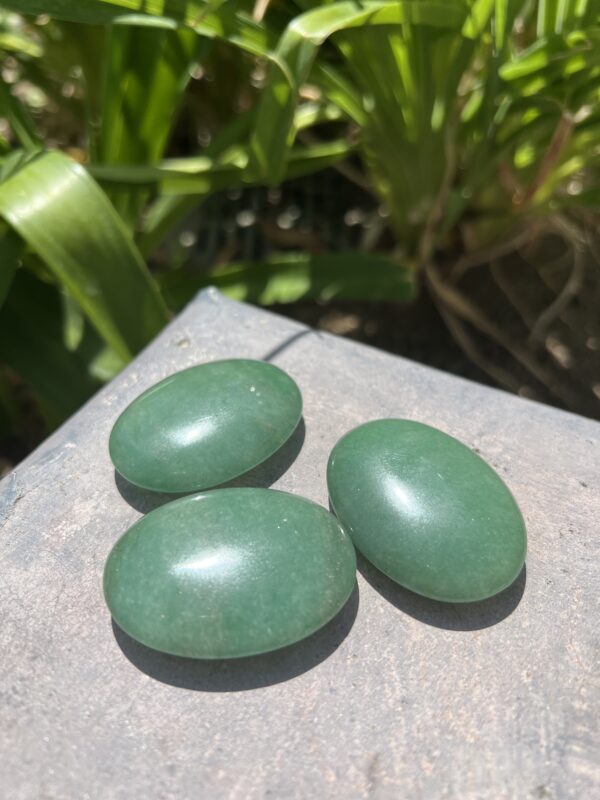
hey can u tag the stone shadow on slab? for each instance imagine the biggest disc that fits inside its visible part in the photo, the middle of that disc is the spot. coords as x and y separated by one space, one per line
262 476
288 342
450 616
242 674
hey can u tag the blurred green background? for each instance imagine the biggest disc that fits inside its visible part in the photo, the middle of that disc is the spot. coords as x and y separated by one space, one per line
419 175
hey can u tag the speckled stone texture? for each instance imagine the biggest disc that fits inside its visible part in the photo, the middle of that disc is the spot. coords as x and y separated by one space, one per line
397 697
229 573
426 510
205 425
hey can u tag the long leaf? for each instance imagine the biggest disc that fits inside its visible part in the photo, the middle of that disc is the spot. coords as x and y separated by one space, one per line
21 45
293 276
554 56
31 343
148 70
291 61
60 212
200 175
183 183
294 56
223 23
20 121
168 209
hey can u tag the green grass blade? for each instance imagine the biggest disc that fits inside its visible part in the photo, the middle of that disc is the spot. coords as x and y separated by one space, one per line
555 57
31 343
200 175
478 18
222 23
294 276
19 119
148 69
292 61
105 11
339 90
162 217
504 19
169 209
21 45
194 175
64 217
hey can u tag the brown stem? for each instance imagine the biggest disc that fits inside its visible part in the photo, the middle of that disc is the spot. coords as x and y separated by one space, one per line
260 9
436 213
568 292
467 344
484 256
462 307
560 139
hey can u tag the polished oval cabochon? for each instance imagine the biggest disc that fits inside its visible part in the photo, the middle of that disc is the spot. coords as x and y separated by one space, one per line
426 510
229 573
205 425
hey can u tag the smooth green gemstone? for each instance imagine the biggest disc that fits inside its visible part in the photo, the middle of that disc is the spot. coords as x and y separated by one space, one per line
229 573
205 425
426 510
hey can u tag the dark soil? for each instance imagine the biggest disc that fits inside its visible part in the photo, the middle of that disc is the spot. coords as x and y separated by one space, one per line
566 355
415 330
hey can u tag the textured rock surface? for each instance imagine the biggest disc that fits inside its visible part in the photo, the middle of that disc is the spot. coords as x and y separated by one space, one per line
426 510
397 697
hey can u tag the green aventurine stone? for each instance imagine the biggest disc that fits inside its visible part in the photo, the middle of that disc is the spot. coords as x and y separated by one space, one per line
229 573
426 510
205 425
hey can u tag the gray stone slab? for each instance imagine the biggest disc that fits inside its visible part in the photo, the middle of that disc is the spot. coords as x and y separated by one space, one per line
397 697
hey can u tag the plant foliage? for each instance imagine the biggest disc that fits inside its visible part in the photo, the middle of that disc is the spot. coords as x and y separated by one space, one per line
467 117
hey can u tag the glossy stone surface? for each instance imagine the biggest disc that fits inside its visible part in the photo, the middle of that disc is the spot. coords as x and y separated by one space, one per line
205 425
426 510
229 573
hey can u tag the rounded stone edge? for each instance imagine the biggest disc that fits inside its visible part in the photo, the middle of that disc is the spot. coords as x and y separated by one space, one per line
437 598
236 656
196 488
